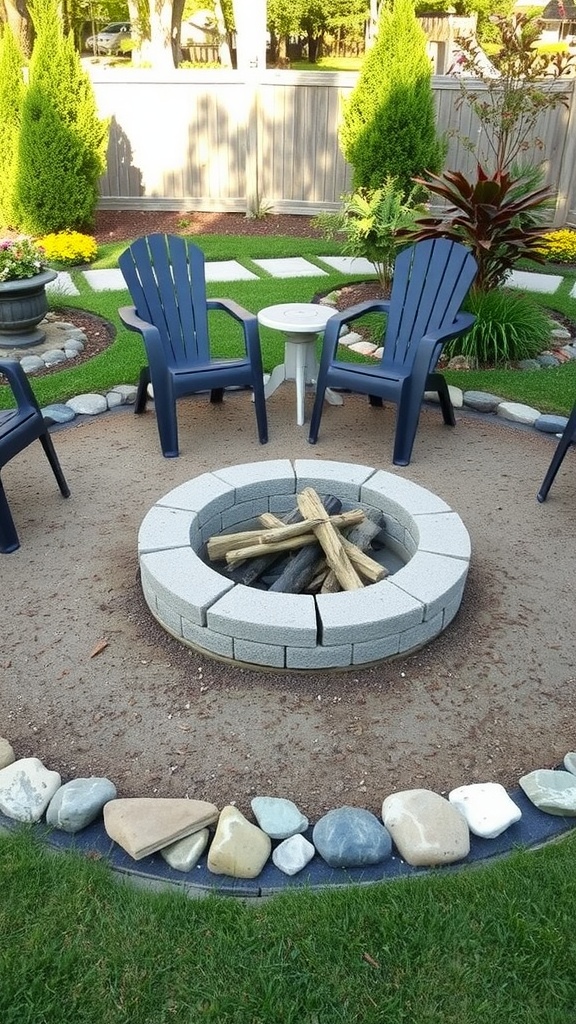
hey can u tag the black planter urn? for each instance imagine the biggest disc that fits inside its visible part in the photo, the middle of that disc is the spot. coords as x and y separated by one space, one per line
23 304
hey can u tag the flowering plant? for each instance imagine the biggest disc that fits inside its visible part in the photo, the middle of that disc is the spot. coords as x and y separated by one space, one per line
20 258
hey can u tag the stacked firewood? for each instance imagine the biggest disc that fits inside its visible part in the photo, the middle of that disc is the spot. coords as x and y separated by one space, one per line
324 549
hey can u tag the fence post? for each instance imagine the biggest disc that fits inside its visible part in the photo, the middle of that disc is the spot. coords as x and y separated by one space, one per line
252 90
566 172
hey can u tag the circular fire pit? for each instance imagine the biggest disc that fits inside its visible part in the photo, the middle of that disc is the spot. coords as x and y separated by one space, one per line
209 612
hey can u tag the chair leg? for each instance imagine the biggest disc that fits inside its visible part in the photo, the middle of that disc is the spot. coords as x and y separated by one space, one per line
407 417
142 392
376 401
216 395
8 537
437 382
568 436
260 408
46 442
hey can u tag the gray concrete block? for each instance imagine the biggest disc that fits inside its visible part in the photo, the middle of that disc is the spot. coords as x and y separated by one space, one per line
319 657
443 533
182 580
165 528
355 616
283 619
205 494
171 620
434 580
259 478
400 497
211 528
259 654
375 650
243 512
281 503
327 477
422 634
207 639
451 611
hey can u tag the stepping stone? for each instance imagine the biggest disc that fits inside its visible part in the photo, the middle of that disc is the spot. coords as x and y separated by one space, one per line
293 855
26 789
184 854
79 802
350 264
62 285
351 837
425 827
553 792
142 825
105 280
228 270
290 266
277 817
544 283
486 807
239 848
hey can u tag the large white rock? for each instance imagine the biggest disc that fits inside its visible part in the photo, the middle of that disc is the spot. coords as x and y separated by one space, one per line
425 827
239 848
486 807
79 802
7 755
293 854
184 854
26 789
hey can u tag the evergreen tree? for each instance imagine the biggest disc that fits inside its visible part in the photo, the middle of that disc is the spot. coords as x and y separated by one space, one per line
62 141
389 123
11 95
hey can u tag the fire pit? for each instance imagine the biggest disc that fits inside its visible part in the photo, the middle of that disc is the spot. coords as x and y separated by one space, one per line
210 612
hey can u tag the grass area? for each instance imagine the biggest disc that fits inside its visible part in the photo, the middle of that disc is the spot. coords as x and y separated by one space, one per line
328 64
78 948
551 390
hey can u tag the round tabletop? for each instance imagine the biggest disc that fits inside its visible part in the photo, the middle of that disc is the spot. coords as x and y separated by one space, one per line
295 317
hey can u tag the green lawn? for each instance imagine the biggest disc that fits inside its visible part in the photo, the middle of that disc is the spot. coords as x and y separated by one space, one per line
493 944
550 390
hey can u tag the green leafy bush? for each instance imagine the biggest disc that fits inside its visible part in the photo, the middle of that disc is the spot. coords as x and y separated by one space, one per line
69 247
559 246
368 223
509 326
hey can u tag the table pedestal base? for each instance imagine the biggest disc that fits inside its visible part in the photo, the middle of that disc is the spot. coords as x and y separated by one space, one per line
300 364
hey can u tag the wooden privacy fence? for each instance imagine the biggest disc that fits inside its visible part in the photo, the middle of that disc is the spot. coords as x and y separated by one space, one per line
215 140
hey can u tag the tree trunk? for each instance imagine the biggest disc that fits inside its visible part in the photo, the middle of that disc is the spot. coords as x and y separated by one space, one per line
18 19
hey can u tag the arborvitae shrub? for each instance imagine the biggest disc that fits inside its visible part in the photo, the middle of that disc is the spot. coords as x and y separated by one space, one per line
11 94
389 121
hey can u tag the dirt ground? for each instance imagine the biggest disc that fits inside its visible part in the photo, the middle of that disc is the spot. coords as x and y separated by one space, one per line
491 698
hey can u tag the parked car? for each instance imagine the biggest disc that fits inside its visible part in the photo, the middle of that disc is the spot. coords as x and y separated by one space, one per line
113 39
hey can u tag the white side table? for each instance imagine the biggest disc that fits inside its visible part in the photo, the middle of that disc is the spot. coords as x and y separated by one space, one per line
301 323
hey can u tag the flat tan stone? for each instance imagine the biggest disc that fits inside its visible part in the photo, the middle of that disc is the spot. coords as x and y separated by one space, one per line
425 827
239 848
143 825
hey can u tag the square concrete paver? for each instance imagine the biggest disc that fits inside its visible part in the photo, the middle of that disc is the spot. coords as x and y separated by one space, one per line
545 283
105 280
292 266
228 270
62 285
350 264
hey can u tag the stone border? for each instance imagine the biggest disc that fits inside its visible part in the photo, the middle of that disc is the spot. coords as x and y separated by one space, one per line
209 612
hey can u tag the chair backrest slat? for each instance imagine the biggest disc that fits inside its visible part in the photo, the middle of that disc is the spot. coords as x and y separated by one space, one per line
431 280
166 279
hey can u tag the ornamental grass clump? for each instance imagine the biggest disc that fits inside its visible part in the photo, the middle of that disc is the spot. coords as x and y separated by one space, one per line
69 248
509 326
20 258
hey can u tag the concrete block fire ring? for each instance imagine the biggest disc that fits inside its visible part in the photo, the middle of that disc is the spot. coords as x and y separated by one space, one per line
210 613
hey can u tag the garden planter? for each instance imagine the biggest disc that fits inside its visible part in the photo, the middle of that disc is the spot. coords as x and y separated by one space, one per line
23 304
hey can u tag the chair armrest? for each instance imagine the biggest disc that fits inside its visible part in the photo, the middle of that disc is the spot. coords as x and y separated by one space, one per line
248 320
431 345
19 384
150 336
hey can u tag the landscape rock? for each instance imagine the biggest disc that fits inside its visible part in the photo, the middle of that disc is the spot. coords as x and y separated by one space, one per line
239 848
350 837
79 802
278 817
486 807
88 405
293 854
26 789
7 755
425 827
58 413
143 825
551 791
184 854
570 762
518 413
549 424
482 401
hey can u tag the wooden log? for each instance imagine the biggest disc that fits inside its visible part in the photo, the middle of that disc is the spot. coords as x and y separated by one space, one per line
311 508
361 537
275 530
291 544
219 544
368 567
302 567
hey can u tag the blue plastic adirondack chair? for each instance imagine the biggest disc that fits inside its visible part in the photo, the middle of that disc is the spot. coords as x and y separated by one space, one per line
166 279
568 438
19 427
431 280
